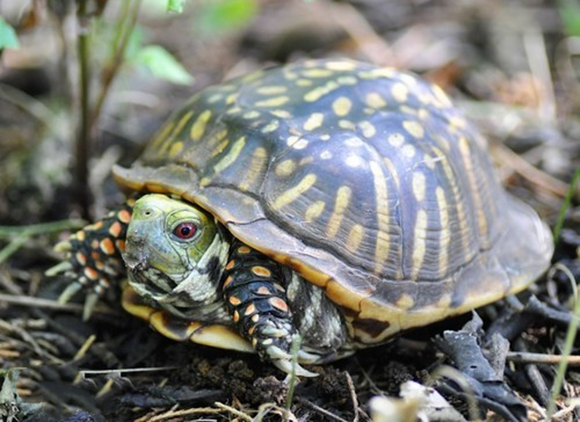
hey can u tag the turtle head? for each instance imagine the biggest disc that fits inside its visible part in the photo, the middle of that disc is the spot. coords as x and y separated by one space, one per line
175 254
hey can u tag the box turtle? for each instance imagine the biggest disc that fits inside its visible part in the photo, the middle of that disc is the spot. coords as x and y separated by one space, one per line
330 200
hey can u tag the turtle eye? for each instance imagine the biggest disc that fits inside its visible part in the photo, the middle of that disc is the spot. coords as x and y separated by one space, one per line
185 231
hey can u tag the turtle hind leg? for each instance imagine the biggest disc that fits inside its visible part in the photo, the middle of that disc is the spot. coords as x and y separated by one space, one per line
94 256
254 291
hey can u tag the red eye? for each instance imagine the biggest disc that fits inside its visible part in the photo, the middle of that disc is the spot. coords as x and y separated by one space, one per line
185 231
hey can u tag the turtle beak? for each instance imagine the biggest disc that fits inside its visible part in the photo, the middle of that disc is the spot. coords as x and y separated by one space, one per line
135 256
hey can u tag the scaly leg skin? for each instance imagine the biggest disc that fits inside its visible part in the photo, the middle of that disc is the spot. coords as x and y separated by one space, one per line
254 291
94 258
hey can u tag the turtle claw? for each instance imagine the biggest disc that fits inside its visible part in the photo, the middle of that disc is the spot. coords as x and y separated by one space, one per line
306 357
90 303
63 246
69 292
287 366
61 267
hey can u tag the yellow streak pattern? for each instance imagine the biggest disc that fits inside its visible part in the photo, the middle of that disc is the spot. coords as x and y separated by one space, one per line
375 100
481 218
273 102
355 237
383 246
314 121
420 240
341 106
198 127
231 156
314 211
256 167
343 195
445 235
295 192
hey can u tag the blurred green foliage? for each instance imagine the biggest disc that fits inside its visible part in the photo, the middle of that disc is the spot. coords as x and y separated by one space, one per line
570 15
162 64
8 37
219 16
175 6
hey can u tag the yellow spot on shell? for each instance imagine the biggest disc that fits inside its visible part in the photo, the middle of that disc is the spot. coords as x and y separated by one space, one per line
441 96
272 90
419 247
251 114
375 100
273 102
384 72
314 121
219 148
405 302
396 139
419 185
414 128
314 211
317 73
341 106
198 127
367 128
285 168
230 99
346 124
297 142
320 91
271 127
231 156
341 203
295 192
283 114
340 65
175 149
347 80
408 150
355 237
400 92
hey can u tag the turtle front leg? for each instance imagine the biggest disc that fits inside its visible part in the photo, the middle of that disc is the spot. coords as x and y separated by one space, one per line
94 257
254 290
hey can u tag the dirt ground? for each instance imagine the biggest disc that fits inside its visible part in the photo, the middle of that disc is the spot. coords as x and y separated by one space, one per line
512 66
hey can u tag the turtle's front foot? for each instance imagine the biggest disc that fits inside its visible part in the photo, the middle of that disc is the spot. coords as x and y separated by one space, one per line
94 258
256 298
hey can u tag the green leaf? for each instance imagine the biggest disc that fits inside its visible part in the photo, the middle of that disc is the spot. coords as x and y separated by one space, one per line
8 38
570 15
226 15
163 65
175 6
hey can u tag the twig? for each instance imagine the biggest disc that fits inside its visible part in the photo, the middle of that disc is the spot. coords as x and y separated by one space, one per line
83 147
170 414
358 28
566 351
35 302
319 409
42 228
353 396
529 172
124 30
539 358
234 411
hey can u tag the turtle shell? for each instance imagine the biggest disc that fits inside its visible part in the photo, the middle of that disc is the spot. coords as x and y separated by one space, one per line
367 181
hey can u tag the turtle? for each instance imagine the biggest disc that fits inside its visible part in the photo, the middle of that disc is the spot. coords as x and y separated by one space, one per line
326 205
